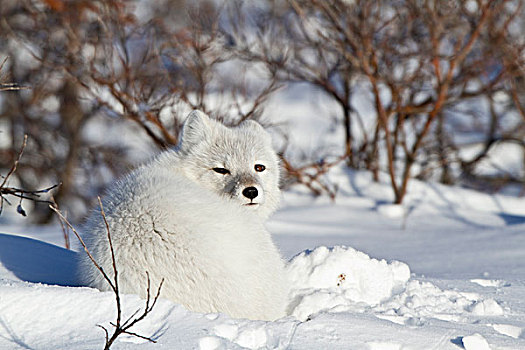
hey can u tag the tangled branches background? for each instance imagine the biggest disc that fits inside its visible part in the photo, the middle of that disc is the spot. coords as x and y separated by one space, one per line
98 86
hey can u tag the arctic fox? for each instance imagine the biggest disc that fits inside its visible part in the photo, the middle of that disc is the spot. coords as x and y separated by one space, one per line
194 216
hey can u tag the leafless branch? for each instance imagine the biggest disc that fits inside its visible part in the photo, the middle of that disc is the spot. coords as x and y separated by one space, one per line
119 326
22 194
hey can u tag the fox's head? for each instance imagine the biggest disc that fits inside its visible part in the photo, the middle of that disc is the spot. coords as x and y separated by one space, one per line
237 162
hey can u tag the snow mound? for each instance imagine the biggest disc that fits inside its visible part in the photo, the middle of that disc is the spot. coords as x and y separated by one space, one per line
475 342
341 279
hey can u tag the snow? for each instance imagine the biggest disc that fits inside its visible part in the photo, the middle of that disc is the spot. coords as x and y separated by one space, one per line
507 329
488 283
392 210
475 342
446 270
341 278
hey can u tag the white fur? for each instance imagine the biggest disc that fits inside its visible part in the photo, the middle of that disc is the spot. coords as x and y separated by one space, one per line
178 219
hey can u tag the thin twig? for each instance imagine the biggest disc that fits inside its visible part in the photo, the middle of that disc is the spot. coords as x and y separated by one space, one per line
120 327
17 192
15 164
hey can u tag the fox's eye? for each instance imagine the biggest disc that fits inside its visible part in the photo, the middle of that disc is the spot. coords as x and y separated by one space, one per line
221 171
259 167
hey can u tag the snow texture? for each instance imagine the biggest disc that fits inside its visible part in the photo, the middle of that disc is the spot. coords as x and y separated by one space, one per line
341 279
447 274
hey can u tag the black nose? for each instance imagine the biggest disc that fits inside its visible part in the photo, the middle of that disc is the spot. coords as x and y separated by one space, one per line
250 192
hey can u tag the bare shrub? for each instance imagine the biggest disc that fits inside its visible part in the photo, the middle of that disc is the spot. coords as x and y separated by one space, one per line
442 77
428 65
102 65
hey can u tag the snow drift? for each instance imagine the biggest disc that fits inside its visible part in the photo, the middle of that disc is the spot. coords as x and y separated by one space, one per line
464 288
325 281
341 278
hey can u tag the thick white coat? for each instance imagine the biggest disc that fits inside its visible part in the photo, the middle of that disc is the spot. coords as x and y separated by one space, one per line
181 221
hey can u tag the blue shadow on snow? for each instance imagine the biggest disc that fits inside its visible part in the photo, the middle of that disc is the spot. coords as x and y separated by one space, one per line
34 261
512 219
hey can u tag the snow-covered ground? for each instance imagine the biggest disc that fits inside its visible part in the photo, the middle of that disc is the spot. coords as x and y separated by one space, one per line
445 271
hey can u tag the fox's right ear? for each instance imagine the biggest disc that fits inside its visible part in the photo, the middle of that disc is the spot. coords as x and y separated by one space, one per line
196 128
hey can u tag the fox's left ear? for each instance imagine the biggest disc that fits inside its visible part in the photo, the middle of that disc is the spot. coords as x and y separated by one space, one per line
196 128
256 127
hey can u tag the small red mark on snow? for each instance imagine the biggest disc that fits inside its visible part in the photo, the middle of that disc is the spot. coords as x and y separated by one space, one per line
340 279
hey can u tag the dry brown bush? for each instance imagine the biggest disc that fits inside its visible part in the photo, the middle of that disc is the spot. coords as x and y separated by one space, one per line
98 70
441 75
428 66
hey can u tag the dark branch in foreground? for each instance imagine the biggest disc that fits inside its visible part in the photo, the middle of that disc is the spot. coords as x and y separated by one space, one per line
120 327
6 190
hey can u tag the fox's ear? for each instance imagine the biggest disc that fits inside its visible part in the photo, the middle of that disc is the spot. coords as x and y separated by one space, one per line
256 127
253 125
196 128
